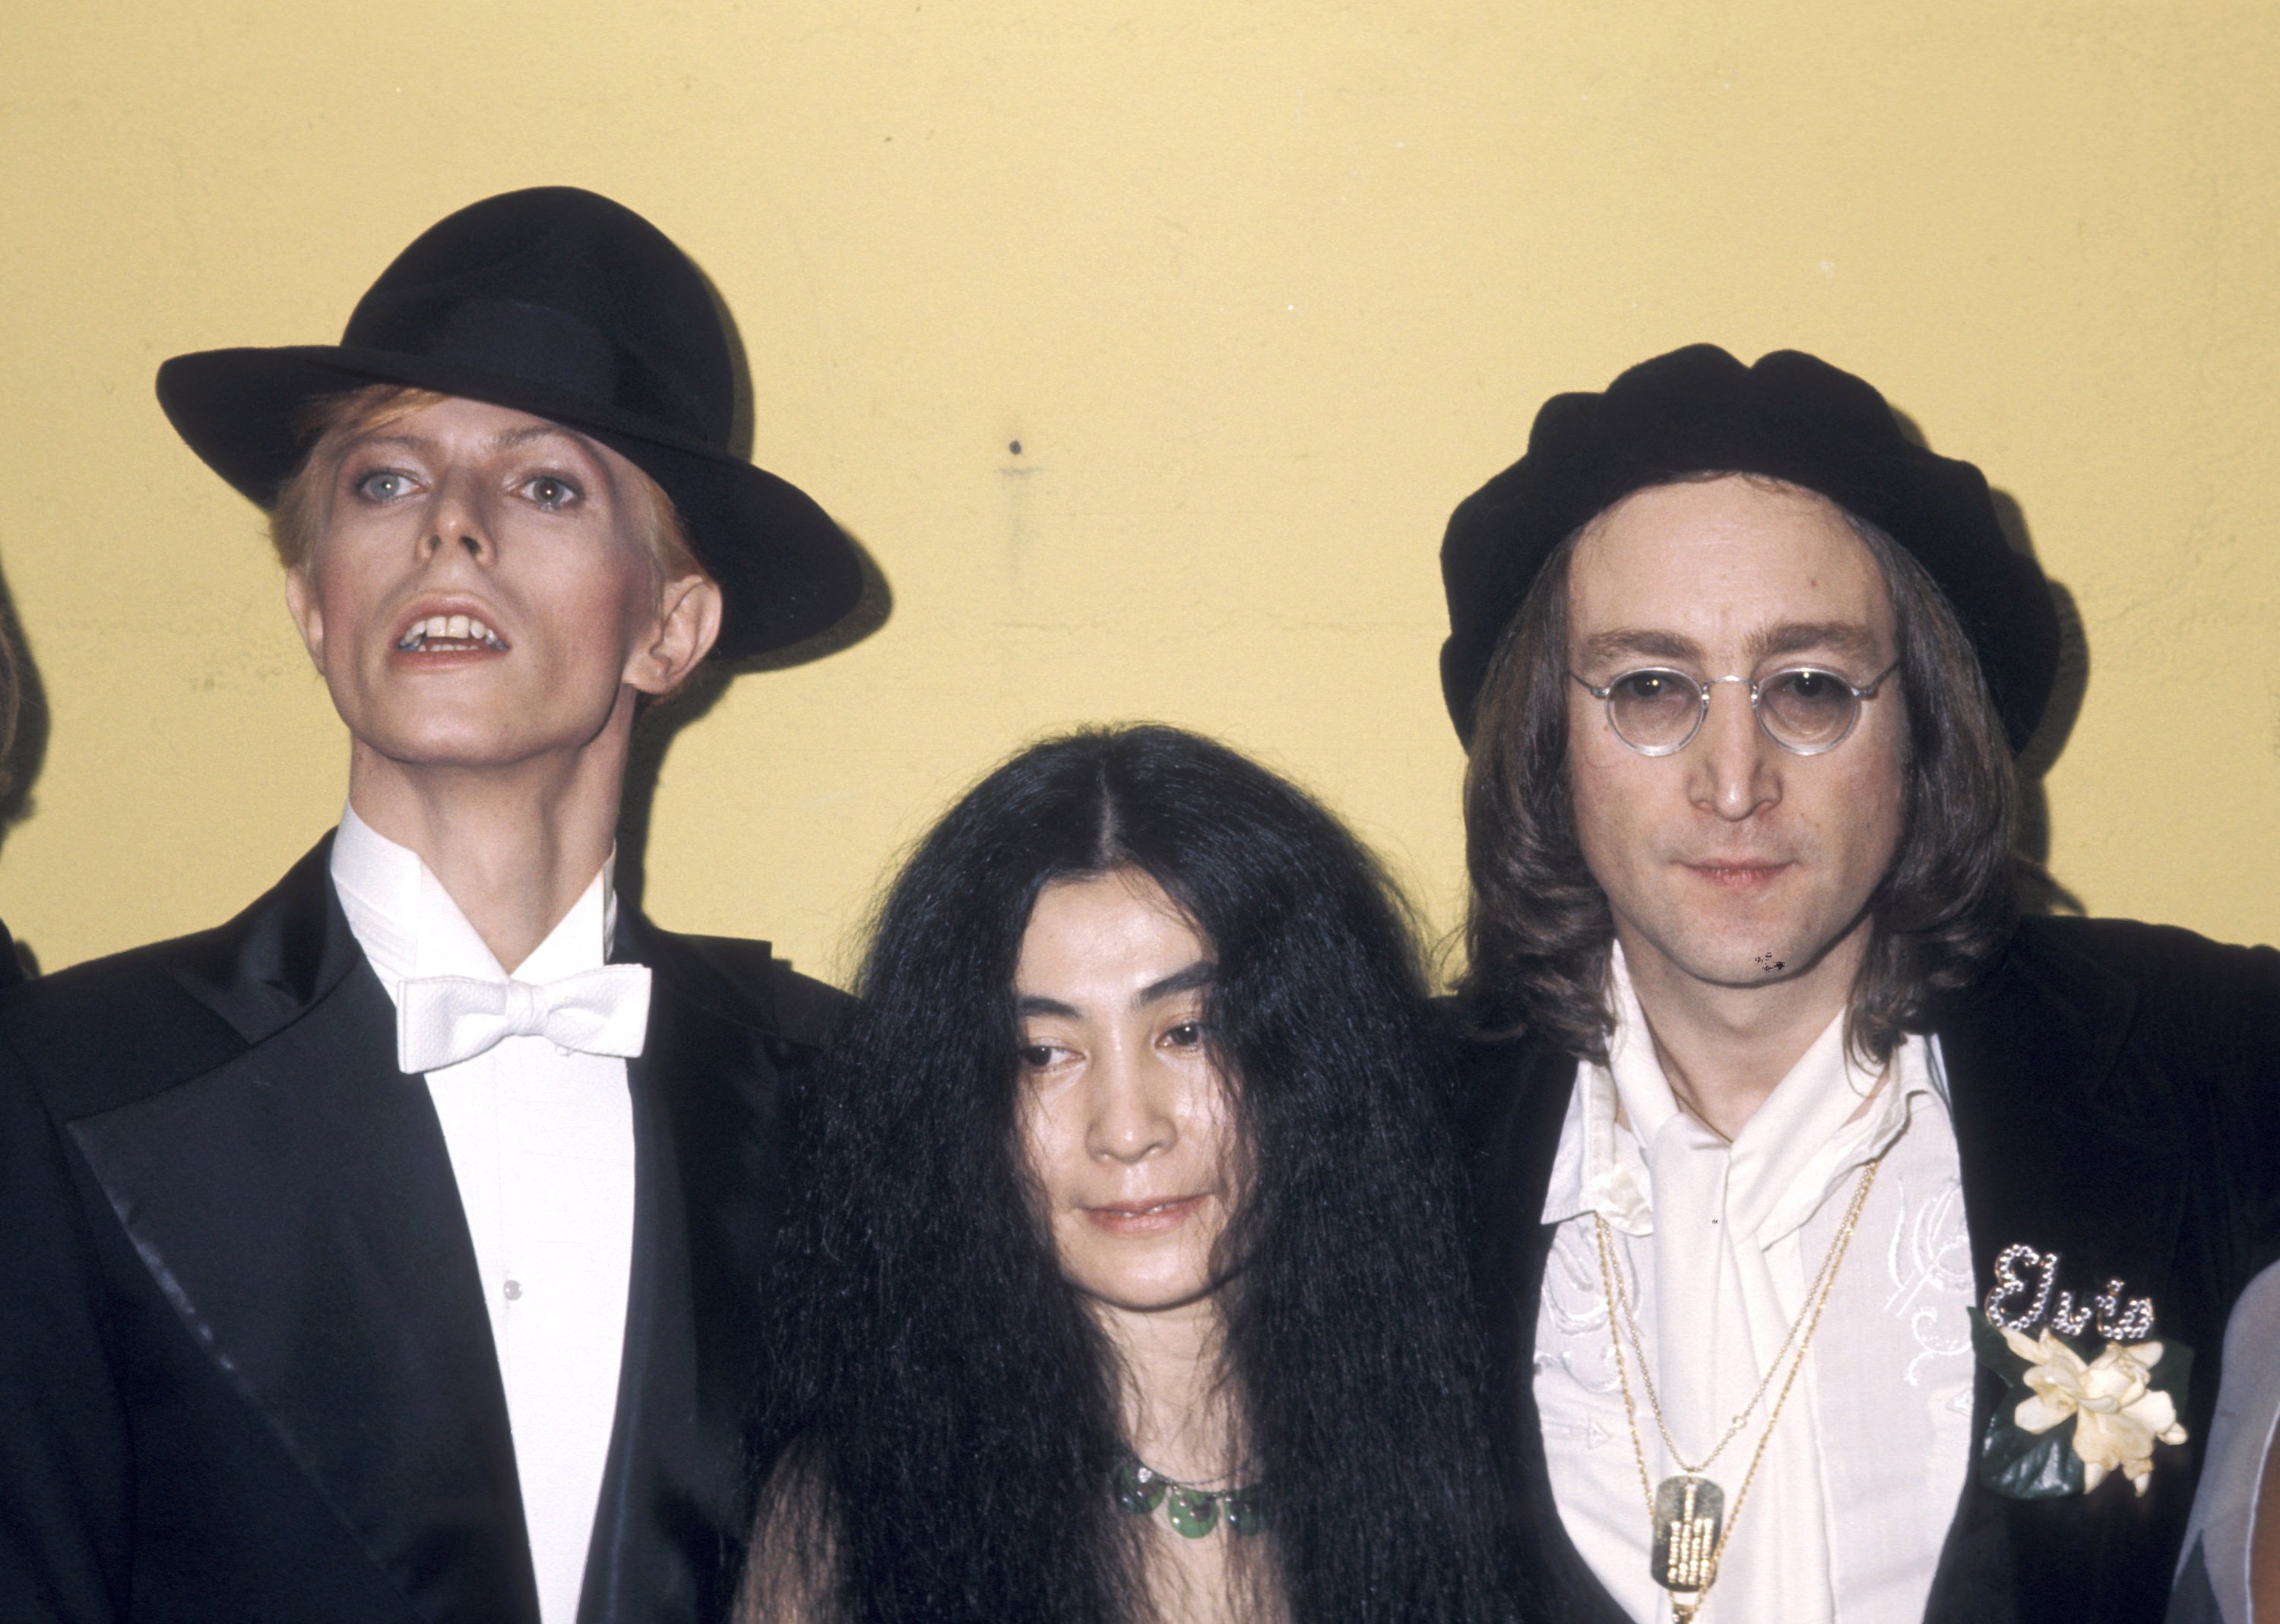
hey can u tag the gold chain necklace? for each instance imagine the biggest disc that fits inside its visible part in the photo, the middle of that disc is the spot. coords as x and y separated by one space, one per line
1687 1511
1773 1367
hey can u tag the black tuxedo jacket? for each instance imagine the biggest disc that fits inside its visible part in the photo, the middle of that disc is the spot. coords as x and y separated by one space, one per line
2116 1095
246 1372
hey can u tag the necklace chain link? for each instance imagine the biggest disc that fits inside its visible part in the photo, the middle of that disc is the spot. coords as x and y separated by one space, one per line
1807 1320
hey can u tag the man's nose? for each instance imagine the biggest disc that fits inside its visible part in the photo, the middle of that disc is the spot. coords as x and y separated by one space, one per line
459 520
1736 768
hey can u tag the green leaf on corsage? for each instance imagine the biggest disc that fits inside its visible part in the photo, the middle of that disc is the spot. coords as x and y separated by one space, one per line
2072 1412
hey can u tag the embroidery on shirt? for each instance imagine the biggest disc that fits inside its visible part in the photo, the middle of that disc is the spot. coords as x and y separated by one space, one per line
1576 1305
1929 1257
1587 1432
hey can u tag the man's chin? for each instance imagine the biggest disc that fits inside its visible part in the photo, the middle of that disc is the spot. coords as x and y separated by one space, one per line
476 746
1760 958
1756 957
1730 974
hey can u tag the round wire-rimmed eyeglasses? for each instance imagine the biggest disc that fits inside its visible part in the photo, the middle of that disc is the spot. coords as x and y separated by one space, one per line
1807 710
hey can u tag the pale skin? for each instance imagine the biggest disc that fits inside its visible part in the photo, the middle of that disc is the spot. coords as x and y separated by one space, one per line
497 752
1126 1134
1734 855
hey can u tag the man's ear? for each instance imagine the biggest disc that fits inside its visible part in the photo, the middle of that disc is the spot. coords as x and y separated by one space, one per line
688 623
301 598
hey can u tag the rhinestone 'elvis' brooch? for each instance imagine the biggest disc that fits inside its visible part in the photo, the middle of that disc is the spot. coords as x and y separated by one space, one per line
2072 1412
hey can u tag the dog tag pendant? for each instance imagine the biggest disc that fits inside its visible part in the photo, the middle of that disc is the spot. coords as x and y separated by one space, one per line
1689 1511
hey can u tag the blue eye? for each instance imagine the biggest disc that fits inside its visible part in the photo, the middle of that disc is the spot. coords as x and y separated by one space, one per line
382 485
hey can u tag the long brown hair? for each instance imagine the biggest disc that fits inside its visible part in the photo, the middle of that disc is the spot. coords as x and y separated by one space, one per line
1538 929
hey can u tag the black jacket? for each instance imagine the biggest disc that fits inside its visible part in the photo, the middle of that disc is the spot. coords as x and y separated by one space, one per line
2116 1093
246 1372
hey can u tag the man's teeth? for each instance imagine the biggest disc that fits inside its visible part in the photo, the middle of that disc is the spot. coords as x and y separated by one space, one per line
456 628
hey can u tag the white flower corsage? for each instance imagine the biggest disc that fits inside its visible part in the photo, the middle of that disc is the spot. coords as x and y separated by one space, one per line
2070 1415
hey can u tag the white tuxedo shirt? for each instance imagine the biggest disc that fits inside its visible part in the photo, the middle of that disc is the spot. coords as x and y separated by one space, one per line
542 1145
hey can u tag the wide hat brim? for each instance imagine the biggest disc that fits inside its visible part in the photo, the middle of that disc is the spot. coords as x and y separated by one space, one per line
1791 417
795 575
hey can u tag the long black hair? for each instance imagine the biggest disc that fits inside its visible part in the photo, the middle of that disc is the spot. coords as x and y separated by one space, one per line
954 1406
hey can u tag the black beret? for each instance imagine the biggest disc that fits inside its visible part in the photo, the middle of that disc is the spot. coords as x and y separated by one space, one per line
1792 417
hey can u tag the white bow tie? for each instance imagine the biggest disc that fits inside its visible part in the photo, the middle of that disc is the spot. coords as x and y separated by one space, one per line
444 1020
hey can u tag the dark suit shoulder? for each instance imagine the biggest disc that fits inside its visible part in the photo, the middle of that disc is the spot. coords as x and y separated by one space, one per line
810 1010
113 1029
2168 1041
2187 993
743 981
2156 957
1499 1060
1504 1082
122 1028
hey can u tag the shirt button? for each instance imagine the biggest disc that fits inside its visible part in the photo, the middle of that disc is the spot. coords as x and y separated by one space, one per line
513 1289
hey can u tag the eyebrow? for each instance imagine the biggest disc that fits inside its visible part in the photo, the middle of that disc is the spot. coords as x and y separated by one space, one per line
1196 974
508 437
1846 639
1843 638
1199 973
1655 645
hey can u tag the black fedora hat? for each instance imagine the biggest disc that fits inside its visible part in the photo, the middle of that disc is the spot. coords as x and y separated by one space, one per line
1792 417
564 304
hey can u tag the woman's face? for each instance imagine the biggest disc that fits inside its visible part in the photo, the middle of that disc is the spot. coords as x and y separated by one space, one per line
1123 1116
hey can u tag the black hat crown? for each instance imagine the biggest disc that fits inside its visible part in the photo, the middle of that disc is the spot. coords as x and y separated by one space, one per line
570 291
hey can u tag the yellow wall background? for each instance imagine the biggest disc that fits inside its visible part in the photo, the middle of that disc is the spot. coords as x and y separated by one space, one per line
1261 289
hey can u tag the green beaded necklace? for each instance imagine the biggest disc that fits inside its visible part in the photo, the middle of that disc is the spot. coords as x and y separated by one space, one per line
1191 1511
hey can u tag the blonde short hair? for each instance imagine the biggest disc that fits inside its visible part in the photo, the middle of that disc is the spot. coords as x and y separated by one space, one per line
332 423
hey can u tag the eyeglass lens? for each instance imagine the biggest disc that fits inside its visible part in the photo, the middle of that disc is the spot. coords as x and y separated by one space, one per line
1806 710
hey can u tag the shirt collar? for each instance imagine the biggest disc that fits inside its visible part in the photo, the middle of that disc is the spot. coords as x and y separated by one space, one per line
410 928
1787 1161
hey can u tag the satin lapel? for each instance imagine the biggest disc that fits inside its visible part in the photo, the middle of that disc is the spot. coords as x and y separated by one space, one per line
676 1497
297 1208
2057 1156
264 969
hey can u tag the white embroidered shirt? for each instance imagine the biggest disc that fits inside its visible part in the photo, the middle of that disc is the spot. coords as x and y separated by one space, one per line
1717 1246
541 1146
